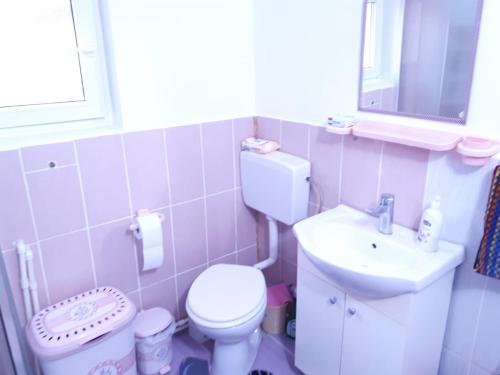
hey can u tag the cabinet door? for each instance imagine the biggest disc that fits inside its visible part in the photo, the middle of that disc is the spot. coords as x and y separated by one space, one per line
373 343
320 314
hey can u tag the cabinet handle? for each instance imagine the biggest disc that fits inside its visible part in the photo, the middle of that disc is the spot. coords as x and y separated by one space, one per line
333 300
351 310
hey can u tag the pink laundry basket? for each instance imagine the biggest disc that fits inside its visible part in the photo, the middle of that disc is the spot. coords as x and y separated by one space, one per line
88 334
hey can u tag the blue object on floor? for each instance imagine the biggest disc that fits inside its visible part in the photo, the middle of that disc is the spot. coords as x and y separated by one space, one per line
194 366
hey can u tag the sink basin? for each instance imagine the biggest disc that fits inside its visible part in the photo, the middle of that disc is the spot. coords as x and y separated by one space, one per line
345 245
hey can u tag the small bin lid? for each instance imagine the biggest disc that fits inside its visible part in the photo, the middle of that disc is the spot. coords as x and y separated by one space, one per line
66 326
150 322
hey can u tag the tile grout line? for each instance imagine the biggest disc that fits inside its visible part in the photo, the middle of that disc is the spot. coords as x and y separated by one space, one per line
428 174
85 214
280 271
204 192
131 212
235 211
281 131
308 152
113 221
379 174
35 171
35 228
476 324
198 198
246 248
279 343
63 234
155 283
341 169
11 249
174 257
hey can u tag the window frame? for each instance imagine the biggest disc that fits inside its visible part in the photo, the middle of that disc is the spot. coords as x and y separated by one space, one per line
97 103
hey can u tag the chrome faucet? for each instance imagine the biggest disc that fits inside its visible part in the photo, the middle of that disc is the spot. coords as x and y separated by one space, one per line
385 213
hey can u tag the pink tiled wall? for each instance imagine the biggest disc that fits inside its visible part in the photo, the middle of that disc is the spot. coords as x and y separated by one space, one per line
348 170
75 214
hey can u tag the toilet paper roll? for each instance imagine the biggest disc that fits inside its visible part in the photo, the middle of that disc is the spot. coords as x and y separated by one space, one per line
151 235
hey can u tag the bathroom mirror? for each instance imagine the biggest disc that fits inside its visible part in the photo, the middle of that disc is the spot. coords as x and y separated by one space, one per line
417 57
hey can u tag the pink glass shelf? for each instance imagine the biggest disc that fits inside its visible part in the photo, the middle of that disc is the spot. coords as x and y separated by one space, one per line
475 151
434 140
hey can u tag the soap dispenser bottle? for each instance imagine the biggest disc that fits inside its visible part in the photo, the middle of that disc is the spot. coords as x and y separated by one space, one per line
430 226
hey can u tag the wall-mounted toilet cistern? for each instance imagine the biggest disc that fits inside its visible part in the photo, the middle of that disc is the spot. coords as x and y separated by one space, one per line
277 185
385 213
227 302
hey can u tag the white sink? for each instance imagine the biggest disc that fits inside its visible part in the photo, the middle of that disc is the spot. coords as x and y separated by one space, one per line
345 245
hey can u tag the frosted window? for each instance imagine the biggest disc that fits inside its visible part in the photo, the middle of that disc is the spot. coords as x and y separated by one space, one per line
370 37
39 61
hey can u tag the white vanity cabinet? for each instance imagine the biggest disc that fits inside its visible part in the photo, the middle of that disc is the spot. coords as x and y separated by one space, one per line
320 307
370 341
340 334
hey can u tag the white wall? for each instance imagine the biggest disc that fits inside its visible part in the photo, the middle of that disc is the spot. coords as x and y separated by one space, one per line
173 62
471 342
182 61
307 64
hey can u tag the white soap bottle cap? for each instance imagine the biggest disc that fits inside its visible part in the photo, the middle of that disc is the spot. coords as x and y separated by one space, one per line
436 202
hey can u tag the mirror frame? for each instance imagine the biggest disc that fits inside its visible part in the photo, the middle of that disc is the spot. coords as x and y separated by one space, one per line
459 121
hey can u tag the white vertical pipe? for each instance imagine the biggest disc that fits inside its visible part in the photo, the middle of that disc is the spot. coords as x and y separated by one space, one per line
32 281
23 276
273 245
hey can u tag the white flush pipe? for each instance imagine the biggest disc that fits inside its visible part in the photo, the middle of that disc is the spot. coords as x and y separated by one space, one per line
32 280
23 275
273 245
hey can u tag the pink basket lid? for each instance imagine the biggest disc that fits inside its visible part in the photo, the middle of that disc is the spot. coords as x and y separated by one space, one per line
70 324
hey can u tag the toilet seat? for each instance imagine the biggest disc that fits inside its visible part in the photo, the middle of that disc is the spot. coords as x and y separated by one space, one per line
226 295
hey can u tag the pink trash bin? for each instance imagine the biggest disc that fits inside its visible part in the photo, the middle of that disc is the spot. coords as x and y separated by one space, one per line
278 297
153 334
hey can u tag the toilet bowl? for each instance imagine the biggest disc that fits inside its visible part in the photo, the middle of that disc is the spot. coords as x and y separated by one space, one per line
227 304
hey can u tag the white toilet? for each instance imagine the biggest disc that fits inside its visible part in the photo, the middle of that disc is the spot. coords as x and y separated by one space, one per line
227 302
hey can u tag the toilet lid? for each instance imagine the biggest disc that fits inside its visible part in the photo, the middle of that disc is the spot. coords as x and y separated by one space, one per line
226 292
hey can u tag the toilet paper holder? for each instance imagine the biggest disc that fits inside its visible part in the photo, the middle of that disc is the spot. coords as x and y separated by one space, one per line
134 227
